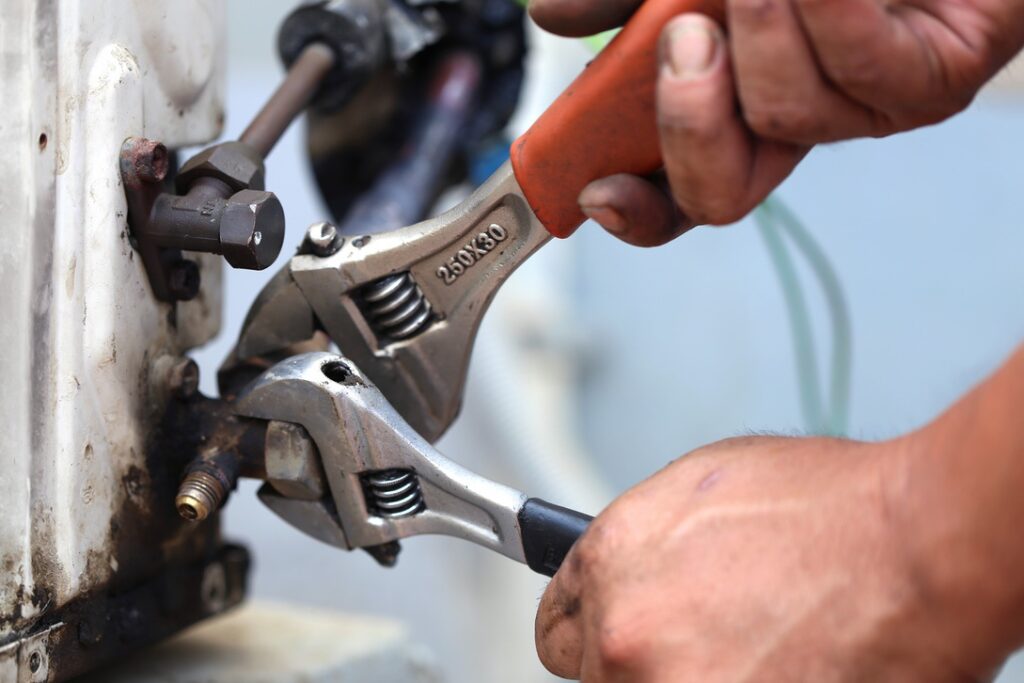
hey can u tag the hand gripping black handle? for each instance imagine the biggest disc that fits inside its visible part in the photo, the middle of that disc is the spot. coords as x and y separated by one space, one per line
549 532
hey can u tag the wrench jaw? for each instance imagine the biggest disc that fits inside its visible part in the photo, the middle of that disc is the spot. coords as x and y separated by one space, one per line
358 434
318 519
457 262
279 319
279 316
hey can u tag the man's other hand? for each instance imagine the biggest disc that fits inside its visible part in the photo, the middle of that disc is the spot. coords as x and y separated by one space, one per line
739 106
760 559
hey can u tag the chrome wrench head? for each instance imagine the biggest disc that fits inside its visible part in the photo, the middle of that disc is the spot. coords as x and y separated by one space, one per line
385 481
405 305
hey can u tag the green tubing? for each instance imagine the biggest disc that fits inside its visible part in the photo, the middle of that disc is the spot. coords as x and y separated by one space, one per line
839 313
804 351
774 219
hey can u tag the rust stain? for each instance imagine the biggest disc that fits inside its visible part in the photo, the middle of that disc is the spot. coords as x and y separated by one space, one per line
135 482
112 358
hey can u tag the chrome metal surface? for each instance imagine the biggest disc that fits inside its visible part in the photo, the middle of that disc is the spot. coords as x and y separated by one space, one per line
456 262
323 238
292 462
358 433
316 519
279 317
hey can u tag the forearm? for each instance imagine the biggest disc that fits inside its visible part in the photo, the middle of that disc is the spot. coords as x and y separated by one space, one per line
959 495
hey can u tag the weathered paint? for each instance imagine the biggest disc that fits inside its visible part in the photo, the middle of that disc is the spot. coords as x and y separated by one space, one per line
79 328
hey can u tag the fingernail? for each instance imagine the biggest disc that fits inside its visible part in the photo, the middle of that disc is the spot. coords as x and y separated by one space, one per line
691 49
610 219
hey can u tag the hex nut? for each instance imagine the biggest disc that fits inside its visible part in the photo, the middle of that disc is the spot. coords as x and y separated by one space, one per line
233 163
293 462
252 229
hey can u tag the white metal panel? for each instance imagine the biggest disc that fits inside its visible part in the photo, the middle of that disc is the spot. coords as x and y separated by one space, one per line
79 329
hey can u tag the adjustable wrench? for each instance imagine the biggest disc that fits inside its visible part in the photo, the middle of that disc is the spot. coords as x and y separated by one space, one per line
405 305
356 475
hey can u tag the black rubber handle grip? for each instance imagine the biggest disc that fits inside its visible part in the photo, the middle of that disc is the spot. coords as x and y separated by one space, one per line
549 532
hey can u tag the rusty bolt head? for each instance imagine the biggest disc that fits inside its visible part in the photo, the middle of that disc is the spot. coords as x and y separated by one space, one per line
184 378
293 462
252 229
233 163
143 161
150 160
183 280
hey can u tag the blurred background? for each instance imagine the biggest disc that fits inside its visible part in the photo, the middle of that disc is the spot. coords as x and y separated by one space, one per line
600 362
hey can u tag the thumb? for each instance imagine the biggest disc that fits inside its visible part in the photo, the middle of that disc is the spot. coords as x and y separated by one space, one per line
717 169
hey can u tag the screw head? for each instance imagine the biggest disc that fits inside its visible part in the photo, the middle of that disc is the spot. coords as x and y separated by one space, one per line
324 239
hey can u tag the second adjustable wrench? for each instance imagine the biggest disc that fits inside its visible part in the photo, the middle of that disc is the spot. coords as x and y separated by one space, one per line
405 306
367 480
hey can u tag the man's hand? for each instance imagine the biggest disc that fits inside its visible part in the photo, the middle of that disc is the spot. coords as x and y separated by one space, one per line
760 559
737 112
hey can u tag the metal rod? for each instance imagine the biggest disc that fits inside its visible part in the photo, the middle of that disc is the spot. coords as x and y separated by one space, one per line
290 98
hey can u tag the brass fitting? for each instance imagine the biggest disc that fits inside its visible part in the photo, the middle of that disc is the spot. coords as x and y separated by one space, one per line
199 495
208 481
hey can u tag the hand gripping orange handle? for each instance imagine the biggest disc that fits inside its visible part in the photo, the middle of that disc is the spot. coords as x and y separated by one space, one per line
604 123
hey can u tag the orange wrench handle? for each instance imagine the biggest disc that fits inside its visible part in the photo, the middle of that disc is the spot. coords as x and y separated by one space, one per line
604 123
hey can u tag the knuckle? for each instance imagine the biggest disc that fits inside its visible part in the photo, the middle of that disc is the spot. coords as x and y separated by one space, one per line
593 551
590 552
827 6
859 71
621 646
960 85
692 108
752 10
720 210
678 112
783 119
765 121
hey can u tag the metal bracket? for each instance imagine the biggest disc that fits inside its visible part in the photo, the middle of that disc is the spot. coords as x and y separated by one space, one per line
28 660
144 165
221 209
